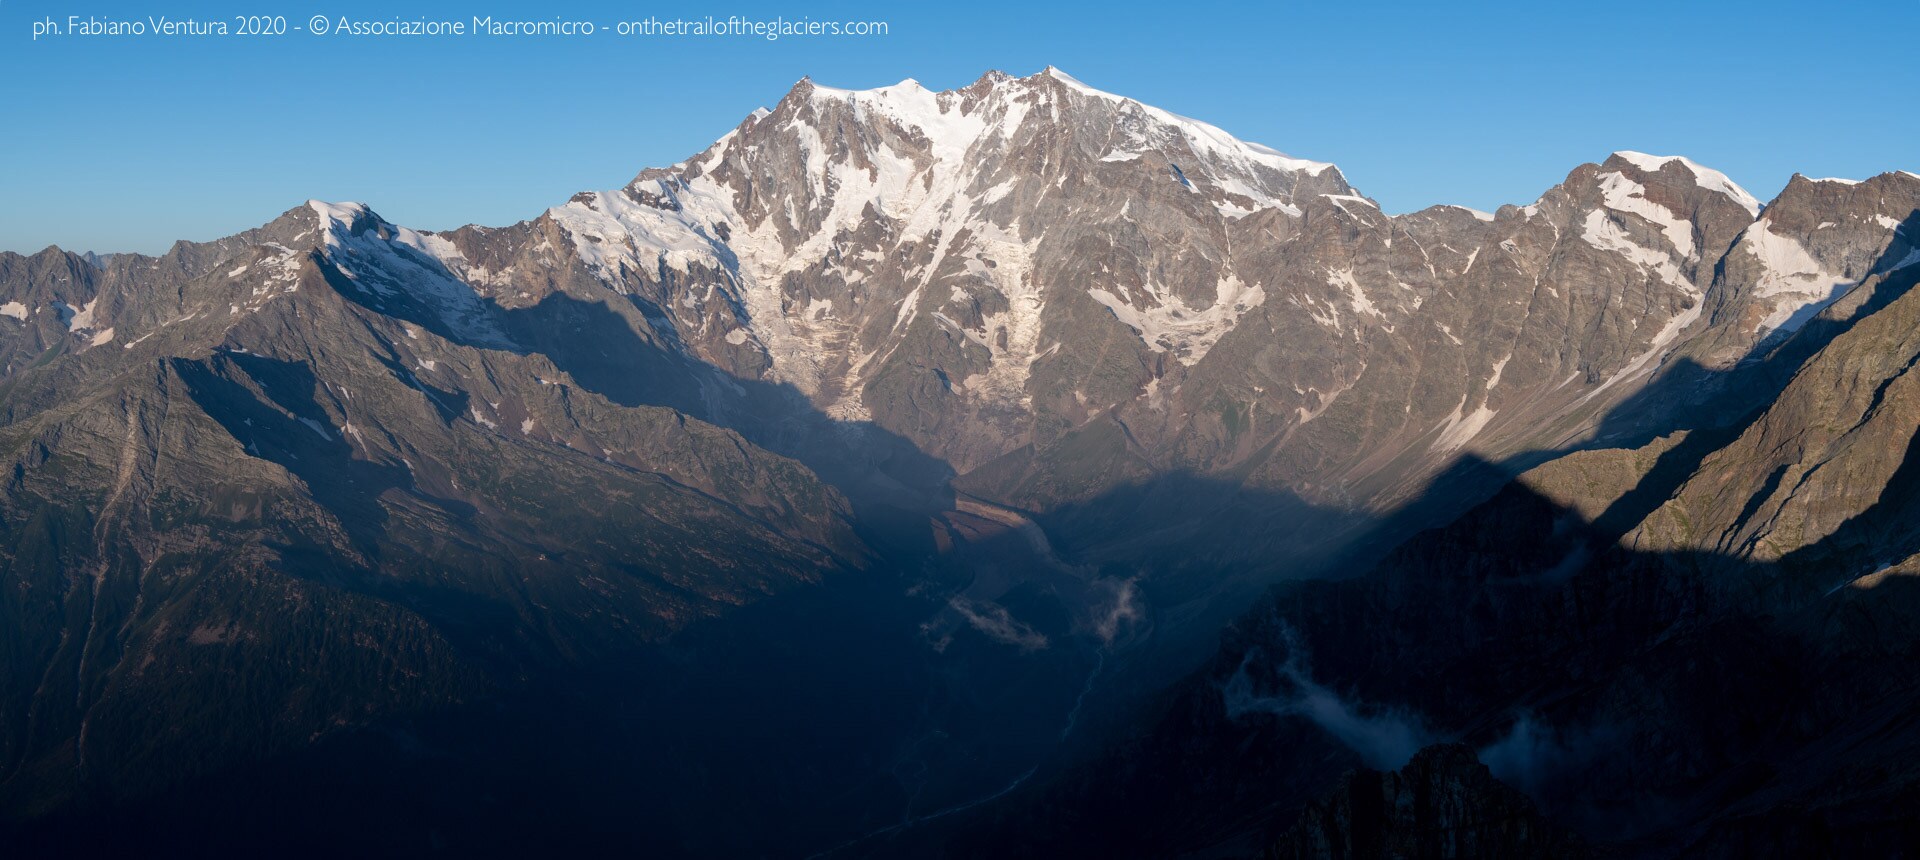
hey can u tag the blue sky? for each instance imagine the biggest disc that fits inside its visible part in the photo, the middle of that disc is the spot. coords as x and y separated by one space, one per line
127 143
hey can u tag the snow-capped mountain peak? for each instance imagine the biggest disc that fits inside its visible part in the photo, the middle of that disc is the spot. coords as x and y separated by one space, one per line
1204 137
1707 177
934 261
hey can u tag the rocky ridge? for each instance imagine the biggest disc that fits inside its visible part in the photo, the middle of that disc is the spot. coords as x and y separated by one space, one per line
865 328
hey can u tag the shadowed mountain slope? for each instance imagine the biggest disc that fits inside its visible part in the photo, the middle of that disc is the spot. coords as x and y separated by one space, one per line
873 468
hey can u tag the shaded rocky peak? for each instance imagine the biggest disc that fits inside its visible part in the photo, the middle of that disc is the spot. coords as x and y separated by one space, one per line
354 227
301 228
1825 474
58 261
93 297
57 253
52 258
1812 245
346 219
51 286
1444 803
316 225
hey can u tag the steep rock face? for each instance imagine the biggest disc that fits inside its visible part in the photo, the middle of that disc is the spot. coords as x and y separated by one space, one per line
914 262
1825 465
1691 647
1444 803
1105 368
272 489
1814 244
919 260
1053 292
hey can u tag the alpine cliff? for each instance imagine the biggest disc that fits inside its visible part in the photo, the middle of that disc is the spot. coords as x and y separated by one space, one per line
888 472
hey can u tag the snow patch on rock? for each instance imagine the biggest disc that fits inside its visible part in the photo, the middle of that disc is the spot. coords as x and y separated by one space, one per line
1357 297
1461 426
1204 138
389 262
1166 323
1794 284
1625 195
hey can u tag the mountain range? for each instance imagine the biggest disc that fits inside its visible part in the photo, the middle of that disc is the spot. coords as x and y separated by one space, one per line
1016 468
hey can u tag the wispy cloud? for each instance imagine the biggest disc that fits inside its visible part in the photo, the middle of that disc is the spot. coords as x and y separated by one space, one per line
993 620
1123 608
1537 758
1385 738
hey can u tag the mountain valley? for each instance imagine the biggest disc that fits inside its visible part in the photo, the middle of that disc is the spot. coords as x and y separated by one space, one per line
1015 469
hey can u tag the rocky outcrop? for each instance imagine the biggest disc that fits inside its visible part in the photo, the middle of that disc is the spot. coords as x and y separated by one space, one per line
1595 632
1065 367
290 482
1444 803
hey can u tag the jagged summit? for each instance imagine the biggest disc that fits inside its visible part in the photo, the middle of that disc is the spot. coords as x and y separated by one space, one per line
927 105
1706 176
901 250
1071 374
348 216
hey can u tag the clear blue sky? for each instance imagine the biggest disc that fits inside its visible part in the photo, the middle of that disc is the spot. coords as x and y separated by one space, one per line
127 143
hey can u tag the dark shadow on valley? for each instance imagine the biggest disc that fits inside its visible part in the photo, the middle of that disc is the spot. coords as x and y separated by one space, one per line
1522 614
267 404
1655 700
819 715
